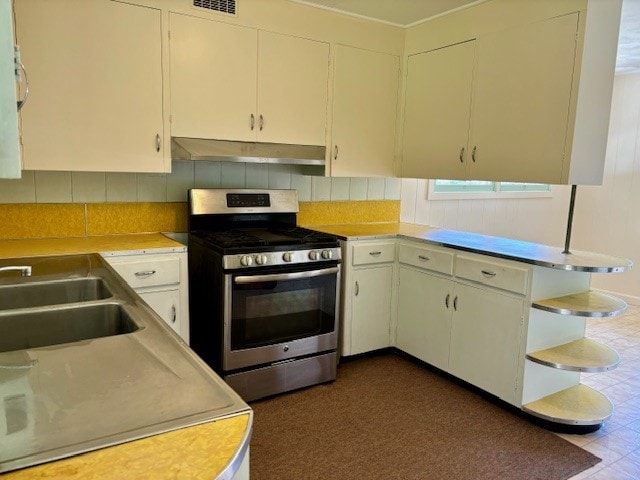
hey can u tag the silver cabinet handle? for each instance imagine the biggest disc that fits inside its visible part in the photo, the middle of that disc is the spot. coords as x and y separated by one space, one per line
422 258
261 122
19 67
277 277
25 270
145 273
462 155
335 152
473 154
173 314
455 303
376 253
487 273
446 300
252 121
158 142
357 288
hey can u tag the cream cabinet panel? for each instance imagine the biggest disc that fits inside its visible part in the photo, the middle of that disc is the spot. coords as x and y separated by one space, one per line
371 308
486 335
365 101
213 79
293 78
522 95
9 137
167 304
437 113
425 306
161 280
95 75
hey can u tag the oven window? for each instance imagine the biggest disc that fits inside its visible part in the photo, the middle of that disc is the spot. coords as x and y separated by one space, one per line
271 312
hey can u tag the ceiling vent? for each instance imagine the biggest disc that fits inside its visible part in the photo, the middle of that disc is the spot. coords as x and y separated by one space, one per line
223 6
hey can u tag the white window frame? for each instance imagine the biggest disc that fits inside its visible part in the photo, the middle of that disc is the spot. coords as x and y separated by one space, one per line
487 195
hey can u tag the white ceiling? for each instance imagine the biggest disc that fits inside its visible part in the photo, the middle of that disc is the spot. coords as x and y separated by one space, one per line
404 13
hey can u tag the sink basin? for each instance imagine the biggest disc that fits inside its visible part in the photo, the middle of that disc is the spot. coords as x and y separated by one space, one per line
20 330
53 292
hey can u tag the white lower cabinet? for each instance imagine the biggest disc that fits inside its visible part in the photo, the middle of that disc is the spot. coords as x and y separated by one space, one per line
368 293
513 329
486 333
371 308
462 327
160 279
424 316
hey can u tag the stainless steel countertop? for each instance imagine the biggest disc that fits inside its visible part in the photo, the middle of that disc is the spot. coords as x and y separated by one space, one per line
61 400
532 253
527 252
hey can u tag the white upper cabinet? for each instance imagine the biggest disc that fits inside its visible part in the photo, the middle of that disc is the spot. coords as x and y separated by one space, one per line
95 75
365 101
293 77
521 100
502 94
438 112
9 136
213 79
235 83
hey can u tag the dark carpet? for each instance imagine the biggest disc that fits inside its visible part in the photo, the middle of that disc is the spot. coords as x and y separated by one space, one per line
387 418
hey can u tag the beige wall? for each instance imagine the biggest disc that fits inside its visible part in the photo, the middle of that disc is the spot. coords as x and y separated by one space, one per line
607 217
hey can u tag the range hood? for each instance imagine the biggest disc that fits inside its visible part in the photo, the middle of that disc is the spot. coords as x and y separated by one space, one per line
183 148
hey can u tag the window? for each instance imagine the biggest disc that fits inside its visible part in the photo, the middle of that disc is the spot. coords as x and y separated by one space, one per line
476 189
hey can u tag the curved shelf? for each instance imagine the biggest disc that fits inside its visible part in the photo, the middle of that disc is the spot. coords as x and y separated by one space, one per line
585 304
579 405
583 355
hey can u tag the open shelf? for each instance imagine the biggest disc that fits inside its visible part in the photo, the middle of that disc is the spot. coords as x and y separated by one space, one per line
578 405
584 304
583 355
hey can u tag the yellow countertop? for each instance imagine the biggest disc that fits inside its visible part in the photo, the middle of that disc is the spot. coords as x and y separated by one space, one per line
94 244
199 452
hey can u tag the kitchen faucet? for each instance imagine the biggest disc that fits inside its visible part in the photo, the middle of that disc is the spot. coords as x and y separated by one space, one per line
25 269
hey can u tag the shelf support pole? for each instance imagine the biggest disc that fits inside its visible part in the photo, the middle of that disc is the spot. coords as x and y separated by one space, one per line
572 204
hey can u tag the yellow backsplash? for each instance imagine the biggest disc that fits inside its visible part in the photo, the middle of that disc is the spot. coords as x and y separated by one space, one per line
56 220
349 212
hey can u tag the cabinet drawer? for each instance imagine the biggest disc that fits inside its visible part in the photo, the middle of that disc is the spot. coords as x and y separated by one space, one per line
369 253
148 272
429 258
495 273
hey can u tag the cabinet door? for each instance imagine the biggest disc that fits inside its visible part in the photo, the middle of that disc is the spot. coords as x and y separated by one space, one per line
213 79
371 308
293 78
485 339
95 86
425 304
9 145
437 113
167 305
521 101
365 101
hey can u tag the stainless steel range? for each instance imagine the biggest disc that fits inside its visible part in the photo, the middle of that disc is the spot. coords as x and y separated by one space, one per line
263 292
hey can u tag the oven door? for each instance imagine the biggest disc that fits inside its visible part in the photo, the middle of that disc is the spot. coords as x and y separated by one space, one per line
277 314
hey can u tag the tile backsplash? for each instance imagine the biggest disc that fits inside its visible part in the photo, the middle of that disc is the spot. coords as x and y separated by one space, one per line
101 187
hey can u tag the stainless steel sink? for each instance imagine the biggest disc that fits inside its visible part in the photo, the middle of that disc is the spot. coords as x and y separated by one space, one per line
26 329
99 365
54 292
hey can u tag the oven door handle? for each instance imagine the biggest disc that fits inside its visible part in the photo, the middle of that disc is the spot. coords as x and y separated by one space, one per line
285 276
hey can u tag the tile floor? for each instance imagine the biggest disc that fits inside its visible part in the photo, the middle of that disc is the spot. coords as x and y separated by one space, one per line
617 442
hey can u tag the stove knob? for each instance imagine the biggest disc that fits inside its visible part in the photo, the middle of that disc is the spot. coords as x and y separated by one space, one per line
261 259
313 255
327 254
287 256
246 260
